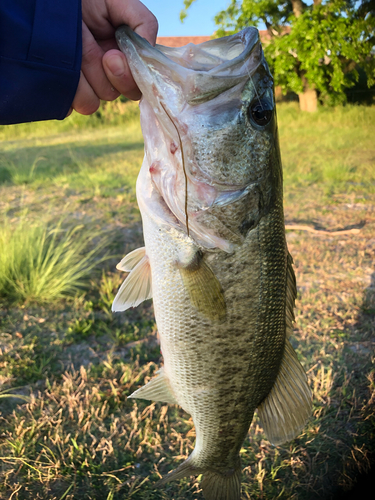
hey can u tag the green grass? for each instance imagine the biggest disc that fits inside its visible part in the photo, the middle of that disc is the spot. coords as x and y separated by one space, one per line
42 263
332 151
68 363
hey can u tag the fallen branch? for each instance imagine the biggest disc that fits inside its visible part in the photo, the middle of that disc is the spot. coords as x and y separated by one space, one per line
297 227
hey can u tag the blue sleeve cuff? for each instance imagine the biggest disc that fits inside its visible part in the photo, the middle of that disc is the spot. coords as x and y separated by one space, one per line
39 76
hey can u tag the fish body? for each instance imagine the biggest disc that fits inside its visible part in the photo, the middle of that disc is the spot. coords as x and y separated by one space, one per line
215 259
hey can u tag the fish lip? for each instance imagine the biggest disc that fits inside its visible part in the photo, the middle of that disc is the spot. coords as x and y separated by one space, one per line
215 74
124 33
129 40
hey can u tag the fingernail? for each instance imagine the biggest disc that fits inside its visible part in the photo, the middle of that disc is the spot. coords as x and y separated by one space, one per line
116 65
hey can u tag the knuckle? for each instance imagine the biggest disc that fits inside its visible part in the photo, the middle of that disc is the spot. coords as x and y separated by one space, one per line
152 24
90 51
109 95
87 107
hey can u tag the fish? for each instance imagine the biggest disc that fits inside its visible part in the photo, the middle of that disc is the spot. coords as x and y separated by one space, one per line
215 260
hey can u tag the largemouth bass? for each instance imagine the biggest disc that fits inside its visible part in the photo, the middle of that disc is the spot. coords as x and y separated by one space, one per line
215 259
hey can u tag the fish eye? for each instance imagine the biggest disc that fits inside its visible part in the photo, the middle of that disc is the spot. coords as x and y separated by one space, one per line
260 112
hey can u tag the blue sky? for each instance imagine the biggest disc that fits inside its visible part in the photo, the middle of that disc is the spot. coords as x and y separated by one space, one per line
199 20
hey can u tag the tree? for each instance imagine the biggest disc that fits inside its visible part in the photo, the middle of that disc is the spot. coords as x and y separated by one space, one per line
313 50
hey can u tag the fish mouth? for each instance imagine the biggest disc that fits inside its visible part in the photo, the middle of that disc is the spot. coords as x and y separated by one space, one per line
187 91
201 72
173 79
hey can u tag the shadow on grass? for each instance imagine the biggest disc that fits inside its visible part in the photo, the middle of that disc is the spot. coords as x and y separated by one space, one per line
47 162
352 456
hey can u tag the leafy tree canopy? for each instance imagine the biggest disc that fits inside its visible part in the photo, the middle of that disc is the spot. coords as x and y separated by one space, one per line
311 47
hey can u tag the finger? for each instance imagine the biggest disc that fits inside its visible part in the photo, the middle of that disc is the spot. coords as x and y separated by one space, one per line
86 102
136 15
92 67
118 73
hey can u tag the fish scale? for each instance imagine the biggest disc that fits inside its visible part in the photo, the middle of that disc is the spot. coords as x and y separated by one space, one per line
215 255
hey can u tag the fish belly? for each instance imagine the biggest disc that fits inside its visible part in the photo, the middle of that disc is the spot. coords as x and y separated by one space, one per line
219 372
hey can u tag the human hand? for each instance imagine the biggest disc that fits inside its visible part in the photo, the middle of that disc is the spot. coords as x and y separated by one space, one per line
104 67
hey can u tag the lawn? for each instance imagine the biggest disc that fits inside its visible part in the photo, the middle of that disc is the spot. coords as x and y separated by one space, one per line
68 214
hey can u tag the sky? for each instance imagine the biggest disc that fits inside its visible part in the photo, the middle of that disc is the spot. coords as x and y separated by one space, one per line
199 21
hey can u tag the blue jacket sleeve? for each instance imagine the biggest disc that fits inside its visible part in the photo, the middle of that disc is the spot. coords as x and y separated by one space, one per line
40 58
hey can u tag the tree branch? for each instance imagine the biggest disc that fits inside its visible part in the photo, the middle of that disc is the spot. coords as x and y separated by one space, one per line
298 7
317 3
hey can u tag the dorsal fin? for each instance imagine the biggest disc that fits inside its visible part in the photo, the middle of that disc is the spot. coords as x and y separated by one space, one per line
291 295
286 409
136 287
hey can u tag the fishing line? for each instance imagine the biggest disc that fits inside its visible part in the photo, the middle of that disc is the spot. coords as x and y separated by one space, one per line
183 168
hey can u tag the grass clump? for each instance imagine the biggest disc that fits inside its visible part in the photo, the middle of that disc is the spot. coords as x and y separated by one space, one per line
42 263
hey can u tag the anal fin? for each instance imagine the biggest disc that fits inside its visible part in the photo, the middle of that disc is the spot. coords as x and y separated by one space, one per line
136 288
157 389
286 409
185 469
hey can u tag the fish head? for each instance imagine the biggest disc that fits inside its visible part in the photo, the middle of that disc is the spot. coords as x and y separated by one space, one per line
208 118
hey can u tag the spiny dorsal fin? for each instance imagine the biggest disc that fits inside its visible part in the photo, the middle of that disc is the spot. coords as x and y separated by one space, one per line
157 389
136 287
204 289
130 260
291 295
286 409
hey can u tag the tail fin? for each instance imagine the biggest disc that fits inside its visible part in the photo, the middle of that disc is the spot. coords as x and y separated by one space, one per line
217 486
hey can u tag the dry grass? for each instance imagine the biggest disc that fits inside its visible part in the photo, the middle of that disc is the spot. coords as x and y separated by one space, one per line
78 437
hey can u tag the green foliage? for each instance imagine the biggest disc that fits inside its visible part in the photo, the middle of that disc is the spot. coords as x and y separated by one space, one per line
41 262
316 46
323 47
183 13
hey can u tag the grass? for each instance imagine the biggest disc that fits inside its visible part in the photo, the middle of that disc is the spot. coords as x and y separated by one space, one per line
332 151
68 364
42 263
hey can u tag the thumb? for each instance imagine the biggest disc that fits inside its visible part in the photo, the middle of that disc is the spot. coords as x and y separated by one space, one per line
118 73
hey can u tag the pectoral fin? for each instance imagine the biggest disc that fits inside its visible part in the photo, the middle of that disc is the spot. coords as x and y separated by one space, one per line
285 411
157 389
136 287
129 262
204 289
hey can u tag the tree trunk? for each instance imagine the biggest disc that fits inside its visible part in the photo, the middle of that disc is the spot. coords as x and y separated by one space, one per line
298 7
308 99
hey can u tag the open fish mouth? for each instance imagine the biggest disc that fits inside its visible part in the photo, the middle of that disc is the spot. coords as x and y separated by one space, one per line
203 71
